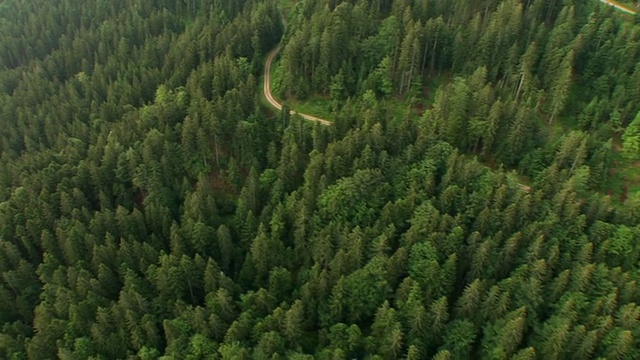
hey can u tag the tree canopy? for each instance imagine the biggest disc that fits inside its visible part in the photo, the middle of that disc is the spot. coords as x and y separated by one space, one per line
153 206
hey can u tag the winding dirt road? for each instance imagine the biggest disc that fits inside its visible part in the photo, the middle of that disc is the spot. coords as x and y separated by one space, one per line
272 100
619 7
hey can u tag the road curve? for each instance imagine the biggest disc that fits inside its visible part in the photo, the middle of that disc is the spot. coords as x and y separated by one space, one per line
619 7
267 90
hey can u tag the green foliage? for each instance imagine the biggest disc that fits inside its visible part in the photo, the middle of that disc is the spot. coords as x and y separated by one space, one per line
631 139
151 208
357 198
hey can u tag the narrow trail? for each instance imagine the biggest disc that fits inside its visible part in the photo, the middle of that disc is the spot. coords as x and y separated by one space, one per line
619 7
272 100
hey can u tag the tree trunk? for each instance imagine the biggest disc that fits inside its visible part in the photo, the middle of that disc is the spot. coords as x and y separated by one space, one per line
553 115
413 60
485 17
395 59
433 53
424 57
519 87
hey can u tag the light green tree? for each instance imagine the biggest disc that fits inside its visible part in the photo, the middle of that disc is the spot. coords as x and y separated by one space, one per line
631 139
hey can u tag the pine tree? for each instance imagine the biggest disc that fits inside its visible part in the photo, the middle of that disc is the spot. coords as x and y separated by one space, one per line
503 338
294 323
631 139
459 339
469 301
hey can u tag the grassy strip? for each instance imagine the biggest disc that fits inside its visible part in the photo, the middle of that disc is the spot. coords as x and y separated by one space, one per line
315 105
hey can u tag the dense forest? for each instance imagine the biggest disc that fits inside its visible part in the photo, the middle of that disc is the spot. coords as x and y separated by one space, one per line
462 205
